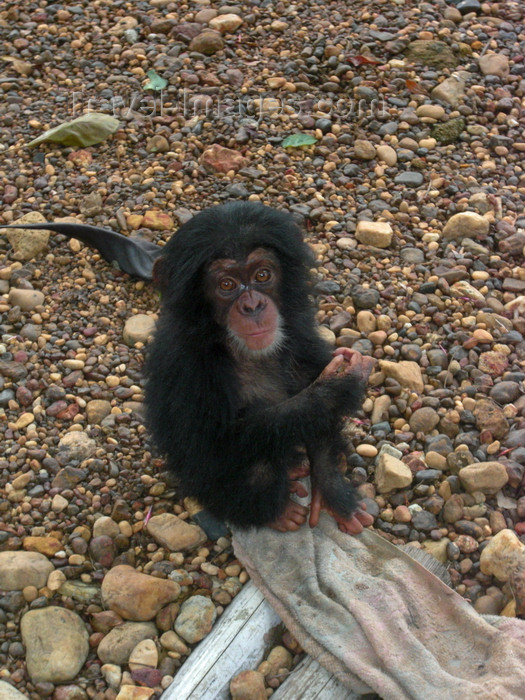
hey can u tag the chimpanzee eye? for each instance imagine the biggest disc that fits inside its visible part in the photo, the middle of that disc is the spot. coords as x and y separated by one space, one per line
227 284
263 275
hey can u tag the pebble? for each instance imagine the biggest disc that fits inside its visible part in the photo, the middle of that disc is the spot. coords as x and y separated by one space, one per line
26 299
364 150
144 654
409 179
227 23
406 372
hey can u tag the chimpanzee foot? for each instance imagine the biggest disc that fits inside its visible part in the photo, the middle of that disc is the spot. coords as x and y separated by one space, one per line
293 517
352 525
355 523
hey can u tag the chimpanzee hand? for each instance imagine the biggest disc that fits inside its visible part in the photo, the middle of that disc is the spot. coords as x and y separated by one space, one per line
347 361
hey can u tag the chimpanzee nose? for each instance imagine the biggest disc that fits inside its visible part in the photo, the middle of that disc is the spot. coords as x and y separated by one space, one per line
252 303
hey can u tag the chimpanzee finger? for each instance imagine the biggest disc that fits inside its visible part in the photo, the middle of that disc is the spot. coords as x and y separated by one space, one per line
331 368
315 507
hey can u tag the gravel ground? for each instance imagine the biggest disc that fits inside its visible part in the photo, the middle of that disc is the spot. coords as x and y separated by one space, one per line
413 198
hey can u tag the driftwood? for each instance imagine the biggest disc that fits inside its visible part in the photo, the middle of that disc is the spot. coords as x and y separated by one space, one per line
237 643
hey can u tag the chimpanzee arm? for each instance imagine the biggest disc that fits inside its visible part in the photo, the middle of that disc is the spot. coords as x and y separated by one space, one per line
249 484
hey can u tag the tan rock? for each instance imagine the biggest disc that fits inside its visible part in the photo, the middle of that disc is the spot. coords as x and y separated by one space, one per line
158 220
134 595
123 24
364 150
494 64
175 534
138 329
97 410
207 42
48 546
144 654
366 322
464 289
437 549
56 642
195 619
504 554
120 641
26 299
391 473
248 685
21 569
327 334
407 373
487 477
386 154
226 24
430 111
466 224
9 692
27 243
134 692
375 233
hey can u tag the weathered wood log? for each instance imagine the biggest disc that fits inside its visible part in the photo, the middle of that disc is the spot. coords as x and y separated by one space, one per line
237 643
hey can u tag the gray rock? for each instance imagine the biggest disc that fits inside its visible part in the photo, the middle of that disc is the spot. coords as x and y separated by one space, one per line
195 619
424 521
409 179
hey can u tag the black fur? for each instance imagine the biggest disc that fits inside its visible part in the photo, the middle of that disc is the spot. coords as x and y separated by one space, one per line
233 456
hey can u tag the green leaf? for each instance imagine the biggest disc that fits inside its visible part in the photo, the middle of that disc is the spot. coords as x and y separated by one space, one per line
85 130
155 82
300 139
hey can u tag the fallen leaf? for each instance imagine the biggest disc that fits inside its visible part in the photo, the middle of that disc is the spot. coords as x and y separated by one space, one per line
85 130
300 139
21 67
363 60
155 82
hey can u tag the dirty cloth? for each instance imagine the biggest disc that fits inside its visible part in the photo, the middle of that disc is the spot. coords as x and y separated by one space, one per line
378 620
